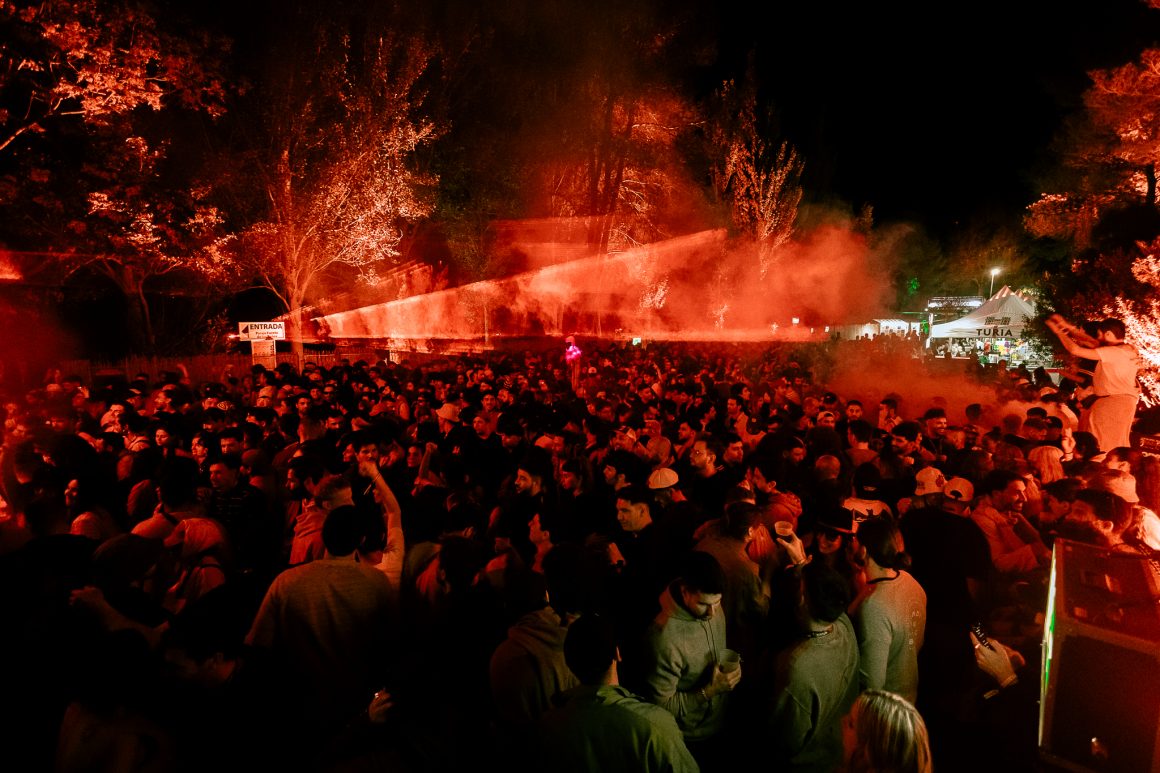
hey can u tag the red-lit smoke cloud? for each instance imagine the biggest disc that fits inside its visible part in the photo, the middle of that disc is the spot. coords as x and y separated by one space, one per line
701 286
862 372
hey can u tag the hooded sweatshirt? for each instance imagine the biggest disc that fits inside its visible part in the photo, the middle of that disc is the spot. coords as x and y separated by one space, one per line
528 669
684 650
607 728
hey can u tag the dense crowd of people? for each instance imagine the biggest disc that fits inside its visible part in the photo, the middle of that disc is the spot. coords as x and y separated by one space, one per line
672 558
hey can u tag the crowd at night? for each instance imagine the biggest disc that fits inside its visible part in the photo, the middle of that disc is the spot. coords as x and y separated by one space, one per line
806 520
533 561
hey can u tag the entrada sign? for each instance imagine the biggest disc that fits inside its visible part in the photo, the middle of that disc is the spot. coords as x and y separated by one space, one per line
261 331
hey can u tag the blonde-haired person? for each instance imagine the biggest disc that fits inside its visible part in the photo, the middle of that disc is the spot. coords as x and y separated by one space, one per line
1047 464
884 733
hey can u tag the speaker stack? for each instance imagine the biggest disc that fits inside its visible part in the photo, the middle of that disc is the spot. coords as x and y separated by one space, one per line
1100 682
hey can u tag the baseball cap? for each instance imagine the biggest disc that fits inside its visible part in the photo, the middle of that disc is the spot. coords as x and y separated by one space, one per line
930 481
1122 484
662 478
959 489
837 519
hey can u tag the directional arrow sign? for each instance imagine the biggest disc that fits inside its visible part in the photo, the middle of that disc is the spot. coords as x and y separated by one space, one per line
261 331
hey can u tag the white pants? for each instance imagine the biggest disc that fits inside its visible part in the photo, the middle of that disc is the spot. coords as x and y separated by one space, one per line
1110 419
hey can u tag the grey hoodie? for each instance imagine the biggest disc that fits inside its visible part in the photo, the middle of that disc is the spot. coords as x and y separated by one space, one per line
684 651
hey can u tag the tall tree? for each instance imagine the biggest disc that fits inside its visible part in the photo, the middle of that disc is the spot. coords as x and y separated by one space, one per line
607 147
139 231
1109 153
1105 205
96 60
1142 317
335 160
572 110
93 160
759 177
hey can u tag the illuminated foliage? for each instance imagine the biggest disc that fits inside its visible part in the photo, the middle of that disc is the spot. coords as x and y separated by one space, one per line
338 172
96 60
1104 205
1143 318
620 168
1065 216
762 184
137 229
569 110
98 101
1109 153
1125 103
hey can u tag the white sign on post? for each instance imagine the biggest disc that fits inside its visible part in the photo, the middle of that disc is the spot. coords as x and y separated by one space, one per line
262 331
263 352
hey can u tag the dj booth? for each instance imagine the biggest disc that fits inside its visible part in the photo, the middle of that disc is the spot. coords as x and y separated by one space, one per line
1100 684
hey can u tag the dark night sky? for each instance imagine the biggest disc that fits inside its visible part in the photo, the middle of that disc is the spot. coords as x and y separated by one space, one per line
933 113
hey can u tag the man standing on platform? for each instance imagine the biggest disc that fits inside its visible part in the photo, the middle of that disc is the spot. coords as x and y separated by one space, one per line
1114 382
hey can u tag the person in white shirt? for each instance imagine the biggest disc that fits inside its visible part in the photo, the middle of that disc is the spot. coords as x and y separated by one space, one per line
1114 381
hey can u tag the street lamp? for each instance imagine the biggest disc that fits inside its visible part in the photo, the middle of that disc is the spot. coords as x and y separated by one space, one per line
993 272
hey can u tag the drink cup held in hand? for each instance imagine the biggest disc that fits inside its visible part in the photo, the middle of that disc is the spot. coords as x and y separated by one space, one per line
730 661
783 529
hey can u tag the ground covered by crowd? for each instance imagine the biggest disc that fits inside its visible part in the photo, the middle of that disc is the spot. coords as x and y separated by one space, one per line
644 558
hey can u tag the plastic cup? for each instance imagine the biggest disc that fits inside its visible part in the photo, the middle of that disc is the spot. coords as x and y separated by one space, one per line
730 660
783 528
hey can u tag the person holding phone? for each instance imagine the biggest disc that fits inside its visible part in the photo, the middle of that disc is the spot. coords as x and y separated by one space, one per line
1005 707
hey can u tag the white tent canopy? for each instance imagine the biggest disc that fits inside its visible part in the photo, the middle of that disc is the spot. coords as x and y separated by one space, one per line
1004 315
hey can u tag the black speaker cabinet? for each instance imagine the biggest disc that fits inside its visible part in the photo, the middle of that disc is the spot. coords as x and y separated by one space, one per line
1100 685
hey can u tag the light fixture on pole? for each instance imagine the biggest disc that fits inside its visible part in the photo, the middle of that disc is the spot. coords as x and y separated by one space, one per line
993 272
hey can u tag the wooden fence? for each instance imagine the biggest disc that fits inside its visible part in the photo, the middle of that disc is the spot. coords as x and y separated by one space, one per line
203 367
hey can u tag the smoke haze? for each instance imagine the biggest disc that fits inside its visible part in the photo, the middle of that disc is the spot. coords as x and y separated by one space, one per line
695 287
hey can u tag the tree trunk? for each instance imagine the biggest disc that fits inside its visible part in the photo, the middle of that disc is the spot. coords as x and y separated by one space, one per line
1150 178
140 319
147 319
294 329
